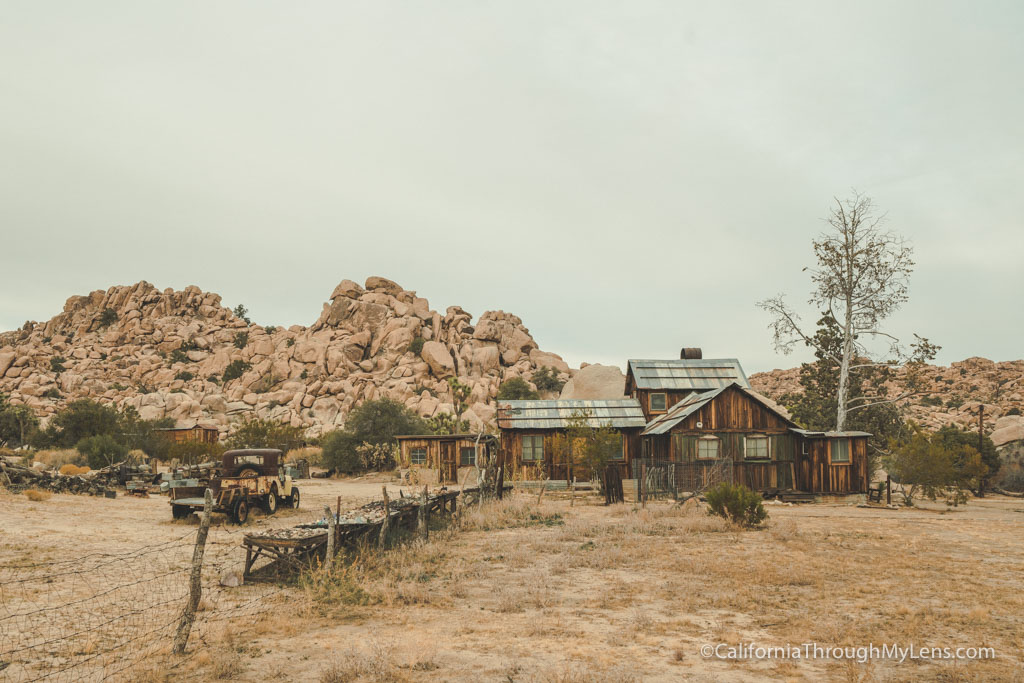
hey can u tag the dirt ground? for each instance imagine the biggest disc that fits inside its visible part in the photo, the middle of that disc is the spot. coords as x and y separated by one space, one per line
523 591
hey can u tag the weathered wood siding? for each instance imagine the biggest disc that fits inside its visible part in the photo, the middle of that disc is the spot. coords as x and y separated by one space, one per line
512 448
777 472
433 448
671 398
818 474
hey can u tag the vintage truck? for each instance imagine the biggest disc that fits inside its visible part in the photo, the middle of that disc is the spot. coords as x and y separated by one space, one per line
253 476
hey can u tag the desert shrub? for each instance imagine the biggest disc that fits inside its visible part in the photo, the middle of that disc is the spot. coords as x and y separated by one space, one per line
194 452
310 453
417 345
177 356
184 376
52 392
1011 478
270 329
373 422
18 423
101 450
1013 411
59 458
257 433
736 503
241 340
516 389
57 364
215 378
108 317
931 401
78 420
72 470
37 496
289 342
546 379
446 423
242 313
235 369
377 456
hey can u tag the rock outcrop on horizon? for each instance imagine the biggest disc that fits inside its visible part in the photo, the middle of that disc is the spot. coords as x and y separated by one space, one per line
167 351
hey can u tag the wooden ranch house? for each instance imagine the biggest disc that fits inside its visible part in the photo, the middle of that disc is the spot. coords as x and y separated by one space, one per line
528 428
449 455
660 384
734 433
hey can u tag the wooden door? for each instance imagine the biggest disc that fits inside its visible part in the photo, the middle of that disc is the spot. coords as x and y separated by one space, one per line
449 465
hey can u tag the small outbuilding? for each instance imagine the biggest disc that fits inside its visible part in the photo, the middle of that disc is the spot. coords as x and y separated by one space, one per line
449 455
194 432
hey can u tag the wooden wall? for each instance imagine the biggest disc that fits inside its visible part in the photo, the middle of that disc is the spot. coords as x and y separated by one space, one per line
671 398
512 447
815 471
433 447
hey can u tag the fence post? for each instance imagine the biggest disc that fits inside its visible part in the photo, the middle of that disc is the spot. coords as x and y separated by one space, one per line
643 477
888 490
332 522
387 514
423 515
195 592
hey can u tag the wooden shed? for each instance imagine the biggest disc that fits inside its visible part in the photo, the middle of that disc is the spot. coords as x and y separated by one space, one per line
832 462
660 384
195 432
447 454
529 427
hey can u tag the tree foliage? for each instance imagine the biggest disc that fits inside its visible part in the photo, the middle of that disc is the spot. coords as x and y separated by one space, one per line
860 279
446 423
516 389
936 465
582 443
17 423
101 450
258 433
546 379
373 422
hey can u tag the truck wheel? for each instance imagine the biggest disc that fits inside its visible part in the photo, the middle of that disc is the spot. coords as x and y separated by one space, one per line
180 511
241 512
294 499
270 504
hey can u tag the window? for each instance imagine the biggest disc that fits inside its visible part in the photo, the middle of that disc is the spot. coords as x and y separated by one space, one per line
657 402
533 448
756 447
841 451
707 448
418 456
467 456
619 453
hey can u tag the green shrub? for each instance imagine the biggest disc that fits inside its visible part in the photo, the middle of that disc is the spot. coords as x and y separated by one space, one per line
235 369
516 389
417 345
242 313
270 329
57 364
289 342
241 340
736 503
372 423
931 401
108 317
101 450
546 379
52 392
1013 411
257 433
213 378
177 356
184 376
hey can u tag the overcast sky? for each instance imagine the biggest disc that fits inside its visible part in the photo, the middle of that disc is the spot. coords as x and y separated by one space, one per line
627 177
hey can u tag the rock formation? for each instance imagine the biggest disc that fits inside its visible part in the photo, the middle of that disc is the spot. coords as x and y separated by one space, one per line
166 353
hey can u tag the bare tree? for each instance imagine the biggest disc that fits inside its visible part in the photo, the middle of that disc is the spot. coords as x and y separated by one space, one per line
860 280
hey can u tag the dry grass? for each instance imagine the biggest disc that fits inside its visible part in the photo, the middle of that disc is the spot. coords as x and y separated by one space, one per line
73 470
37 496
58 458
313 454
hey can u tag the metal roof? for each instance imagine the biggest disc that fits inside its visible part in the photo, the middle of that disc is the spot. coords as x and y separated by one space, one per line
812 434
691 404
690 374
619 412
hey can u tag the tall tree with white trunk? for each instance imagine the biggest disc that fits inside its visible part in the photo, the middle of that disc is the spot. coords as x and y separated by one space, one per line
860 280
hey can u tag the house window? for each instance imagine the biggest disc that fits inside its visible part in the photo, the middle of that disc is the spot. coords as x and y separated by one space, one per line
658 402
756 447
467 456
707 448
619 453
841 451
418 456
533 448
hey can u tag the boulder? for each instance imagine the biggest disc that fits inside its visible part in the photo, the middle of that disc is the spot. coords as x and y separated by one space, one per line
546 359
594 382
347 288
382 284
439 359
1008 430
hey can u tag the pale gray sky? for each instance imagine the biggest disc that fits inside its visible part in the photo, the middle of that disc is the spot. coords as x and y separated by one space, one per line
628 177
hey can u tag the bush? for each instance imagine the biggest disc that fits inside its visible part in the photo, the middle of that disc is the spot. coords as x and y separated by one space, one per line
516 389
194 452
417 345
736 503
242 313
59 458
184 376
79 420
178 356
1013 411
101 451
108 317
257 433
241 340
546 379
72 470
57 364
235 369
52 392
1011 478
931 401
37 496
270 329
373 423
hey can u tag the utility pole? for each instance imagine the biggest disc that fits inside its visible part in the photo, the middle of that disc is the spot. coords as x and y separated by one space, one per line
981 445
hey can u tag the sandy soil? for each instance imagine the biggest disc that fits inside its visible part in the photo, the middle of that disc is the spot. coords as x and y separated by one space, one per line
551 592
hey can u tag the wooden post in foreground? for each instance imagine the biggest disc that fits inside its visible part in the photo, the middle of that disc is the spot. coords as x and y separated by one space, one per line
888 490
332 523
639 485
382 539
188 617
422 521
572 492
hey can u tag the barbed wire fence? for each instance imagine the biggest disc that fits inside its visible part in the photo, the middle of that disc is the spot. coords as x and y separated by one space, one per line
102 616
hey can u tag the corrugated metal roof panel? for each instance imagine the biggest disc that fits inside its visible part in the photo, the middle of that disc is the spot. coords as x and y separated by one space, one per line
810 433
687 374
620 413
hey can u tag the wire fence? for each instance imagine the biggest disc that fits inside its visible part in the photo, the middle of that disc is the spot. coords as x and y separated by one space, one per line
102 616
663 478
